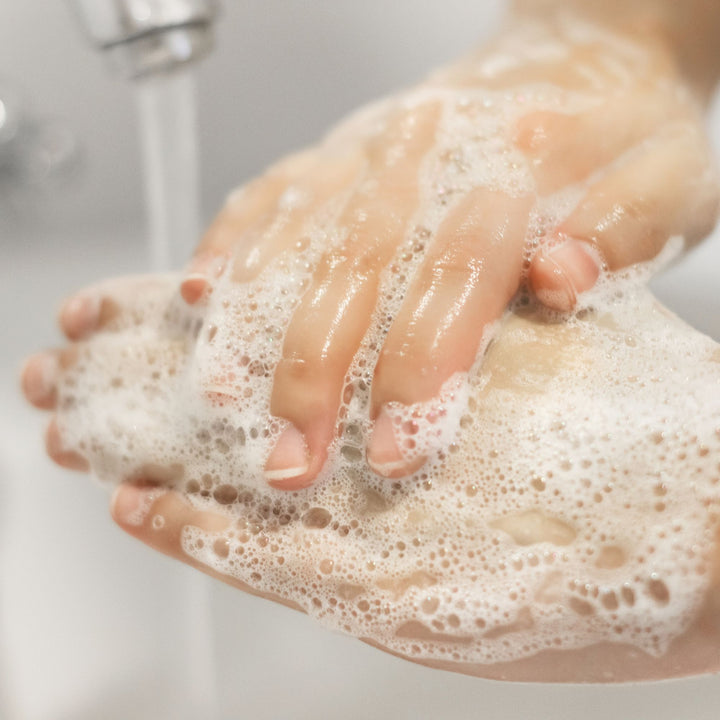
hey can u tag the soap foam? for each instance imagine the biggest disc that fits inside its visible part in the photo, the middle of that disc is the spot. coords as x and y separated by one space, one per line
571 503
571 484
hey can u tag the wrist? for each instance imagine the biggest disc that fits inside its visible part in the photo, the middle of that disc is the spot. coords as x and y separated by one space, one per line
687 32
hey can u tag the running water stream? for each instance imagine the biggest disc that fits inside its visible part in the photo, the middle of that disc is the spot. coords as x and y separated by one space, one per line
168 127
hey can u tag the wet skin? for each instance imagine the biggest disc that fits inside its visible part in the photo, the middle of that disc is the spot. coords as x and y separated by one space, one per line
137 503
646 176
637 155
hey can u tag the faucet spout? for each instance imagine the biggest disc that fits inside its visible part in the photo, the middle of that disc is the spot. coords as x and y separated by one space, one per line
147 37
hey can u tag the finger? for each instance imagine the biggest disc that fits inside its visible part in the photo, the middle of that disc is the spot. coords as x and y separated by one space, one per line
58 452
333 316
79 315
158 517
471 272
562 271
38 379
297 210
564 149
669 189
244 210
41 373
112 304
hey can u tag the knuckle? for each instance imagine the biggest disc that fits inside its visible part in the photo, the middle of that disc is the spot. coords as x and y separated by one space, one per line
293 370
337 260
365 264
455 264
533 132
307 369
353 261
638 210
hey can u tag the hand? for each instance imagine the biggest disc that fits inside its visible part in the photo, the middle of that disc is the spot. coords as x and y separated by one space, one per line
555 154
530 531
514 194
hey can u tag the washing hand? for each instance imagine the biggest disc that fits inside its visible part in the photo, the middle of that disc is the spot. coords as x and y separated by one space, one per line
557 153
562 151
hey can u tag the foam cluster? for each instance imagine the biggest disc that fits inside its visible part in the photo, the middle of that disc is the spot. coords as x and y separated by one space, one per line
571 494
576 500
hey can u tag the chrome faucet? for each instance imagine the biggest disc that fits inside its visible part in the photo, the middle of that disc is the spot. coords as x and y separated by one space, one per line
147 37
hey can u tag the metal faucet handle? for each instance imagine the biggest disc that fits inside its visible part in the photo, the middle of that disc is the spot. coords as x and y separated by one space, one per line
144 37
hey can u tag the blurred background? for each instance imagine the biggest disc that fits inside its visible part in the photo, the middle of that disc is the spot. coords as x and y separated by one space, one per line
92 624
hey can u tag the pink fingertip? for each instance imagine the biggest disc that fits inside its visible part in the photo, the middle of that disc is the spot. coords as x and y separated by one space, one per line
562 272
383 454
201 272
193 288
39 380
125 503
130 504
56 450
288 462
80 316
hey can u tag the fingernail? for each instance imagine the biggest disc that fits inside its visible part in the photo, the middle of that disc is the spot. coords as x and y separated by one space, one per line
580 263
288 461
202 271
383 454
564 271
80 315
39 379
193 287
130 504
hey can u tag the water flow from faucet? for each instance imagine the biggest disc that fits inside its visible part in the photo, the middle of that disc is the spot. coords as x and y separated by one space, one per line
168 128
